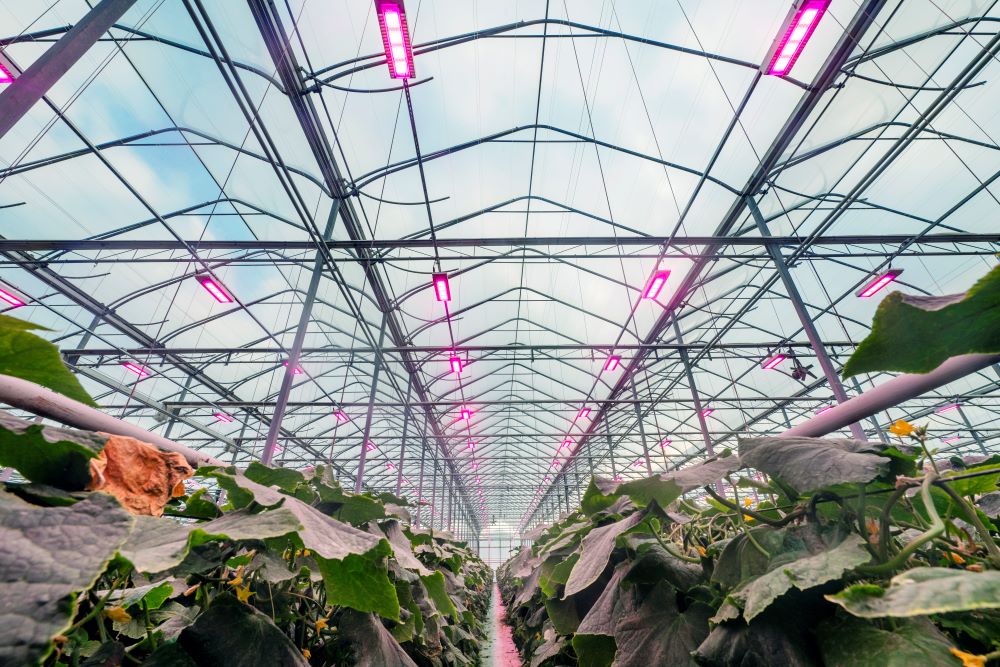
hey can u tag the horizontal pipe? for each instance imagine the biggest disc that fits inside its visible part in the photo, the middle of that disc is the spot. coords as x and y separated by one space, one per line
892 393
30 245
38 400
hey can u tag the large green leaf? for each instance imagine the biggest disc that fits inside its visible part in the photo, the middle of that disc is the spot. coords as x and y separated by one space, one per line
29 357
915 334
803 573
46 454
921 591
233 633
852 642
361 581
372 644
594 650
434 583
595 551
765 643
809 464
48 555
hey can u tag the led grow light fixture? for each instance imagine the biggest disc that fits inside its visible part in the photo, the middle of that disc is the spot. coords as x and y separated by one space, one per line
948 408
665 442
950 440
567 443
612 363
295 371
456 365
395 38
370 446
136 368
707 411
341 417
214 288
878 283
583 413
6 70
223 417
11 298
823 409
442 290
466 414
656 284
773 362
795 32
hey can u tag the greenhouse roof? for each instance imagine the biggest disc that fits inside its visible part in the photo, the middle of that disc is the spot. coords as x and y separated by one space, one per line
542 255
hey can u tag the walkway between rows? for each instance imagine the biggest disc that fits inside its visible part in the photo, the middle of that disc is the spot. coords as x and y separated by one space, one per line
500 652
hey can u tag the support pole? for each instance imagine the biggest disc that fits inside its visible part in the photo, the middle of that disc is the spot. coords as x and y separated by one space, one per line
33 84
611 451
359 481
274 428
807 324
642 427
420 482
402 444
699 411
434 490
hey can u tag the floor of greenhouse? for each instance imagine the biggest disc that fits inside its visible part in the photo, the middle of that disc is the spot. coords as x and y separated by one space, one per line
500 651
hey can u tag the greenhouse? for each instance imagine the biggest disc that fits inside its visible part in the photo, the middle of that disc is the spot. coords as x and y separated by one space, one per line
542 333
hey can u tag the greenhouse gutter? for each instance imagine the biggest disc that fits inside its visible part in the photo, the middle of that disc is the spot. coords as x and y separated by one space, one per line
891 393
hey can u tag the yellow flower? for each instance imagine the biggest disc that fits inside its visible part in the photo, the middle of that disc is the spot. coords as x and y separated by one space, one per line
969 659
955 558
701 550
902 428
747 517
747 502
243 593
306 653
306 552
321 625
236 581
117 614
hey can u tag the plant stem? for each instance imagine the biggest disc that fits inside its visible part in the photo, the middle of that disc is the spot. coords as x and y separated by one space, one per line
937 527
974 519
788 518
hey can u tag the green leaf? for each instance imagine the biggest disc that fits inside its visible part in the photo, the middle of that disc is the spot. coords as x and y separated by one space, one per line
852 642
197 506
767 642
809 464
803 573
154 595
233 633
595 551
921 591
915 334
46 454
973 486
48 555
29 357
594 650
361 582
434 583
372 644
563 615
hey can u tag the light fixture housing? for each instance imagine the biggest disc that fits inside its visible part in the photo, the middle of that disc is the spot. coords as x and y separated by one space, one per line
223 417
442 289
583 413
773 362
466 414
6 70
213 287
341 416
370 446
948 408
11 297
665 442
567 443
707 411
472 444
295 371
797 28
395 38
823 409
878 283
612 362
456 364
136 368
656 284
954 438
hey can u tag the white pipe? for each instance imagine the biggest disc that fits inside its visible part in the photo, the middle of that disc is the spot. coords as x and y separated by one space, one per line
891 393
47 403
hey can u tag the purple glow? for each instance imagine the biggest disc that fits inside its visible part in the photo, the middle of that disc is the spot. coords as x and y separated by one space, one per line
948 408
878 283
442 290
295 371
341 417
612 363
656 284
6 76
10 298
665 442
583 413
456 365
370 446
472 445
214 288
466 414
773 362
395 38
223 417
136 368
707 411
475 466
567 443
795 33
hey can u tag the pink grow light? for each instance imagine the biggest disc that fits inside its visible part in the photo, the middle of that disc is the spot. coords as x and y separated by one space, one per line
656 284
665 442
948 408
567 443
824 409
395 38
370 446
612 363
9 296
794 34
773 362
341 417
136 368
475 466
456 365
223 417
472 445
878 283
950 440
707 411
583 413
296 370
442 290
6 76
214 288
466 414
